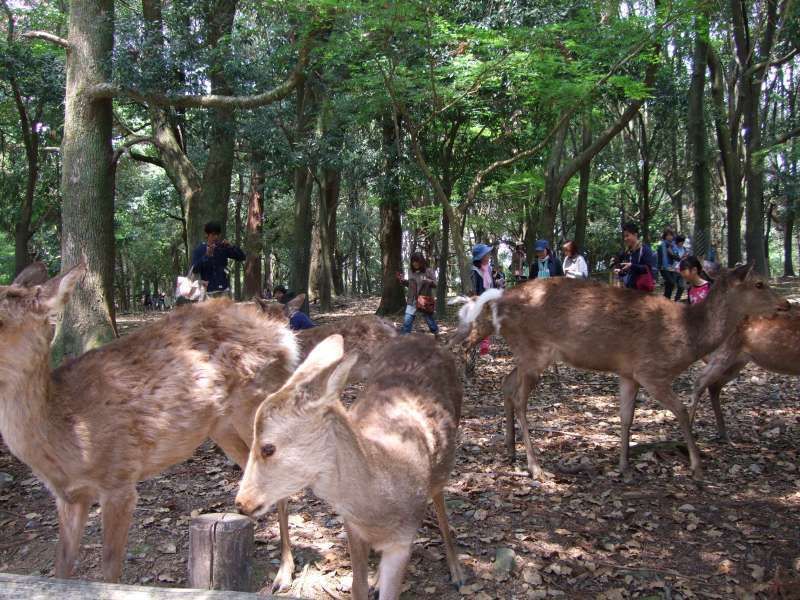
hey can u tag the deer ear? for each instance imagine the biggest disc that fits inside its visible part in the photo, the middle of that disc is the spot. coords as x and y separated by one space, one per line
338 379
744 272
54 294
33 274
296 302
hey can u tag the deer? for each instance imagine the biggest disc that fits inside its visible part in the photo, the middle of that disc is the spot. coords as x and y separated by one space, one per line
98 424
771 342
596 327
377 463
363 334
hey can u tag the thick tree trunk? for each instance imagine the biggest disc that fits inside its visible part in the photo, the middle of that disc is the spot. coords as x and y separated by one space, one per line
329 201
727 141
303 187
391 233
697 140
255 217
87 182
212 203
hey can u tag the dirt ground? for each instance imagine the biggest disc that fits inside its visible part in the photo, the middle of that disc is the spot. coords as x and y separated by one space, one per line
589 532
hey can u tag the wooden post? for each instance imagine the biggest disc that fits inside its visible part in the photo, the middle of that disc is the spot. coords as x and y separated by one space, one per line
221 552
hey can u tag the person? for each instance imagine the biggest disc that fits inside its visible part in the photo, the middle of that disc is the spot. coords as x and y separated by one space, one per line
481 274
681 252
210 259
519 264
639 260
421 281
546 264
279 293
575 266
699 283
297 318
499 278
667 262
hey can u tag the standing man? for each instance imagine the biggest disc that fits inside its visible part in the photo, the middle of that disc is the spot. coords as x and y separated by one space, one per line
210 259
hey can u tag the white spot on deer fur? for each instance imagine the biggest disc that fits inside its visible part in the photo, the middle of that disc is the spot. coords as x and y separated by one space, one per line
470 311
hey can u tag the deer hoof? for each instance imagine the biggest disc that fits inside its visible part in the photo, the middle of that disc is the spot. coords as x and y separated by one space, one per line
282 583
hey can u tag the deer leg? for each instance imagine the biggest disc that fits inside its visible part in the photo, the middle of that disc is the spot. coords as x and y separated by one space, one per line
509 388
283 580
456 572
117 514
525 382
722 369
359 553
662 392
714 391
71 523
394 560
628 389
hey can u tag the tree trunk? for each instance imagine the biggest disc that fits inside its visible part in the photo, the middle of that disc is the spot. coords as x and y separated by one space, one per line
329 201
391 233
697 140
255 216
237 240
212 203
582 208
727 141
441 282
87 182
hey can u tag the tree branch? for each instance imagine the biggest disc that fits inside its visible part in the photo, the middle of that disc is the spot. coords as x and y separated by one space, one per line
152 160
48 37
109 90
784 137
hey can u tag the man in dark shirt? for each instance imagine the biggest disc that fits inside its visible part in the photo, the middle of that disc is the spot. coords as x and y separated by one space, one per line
210 259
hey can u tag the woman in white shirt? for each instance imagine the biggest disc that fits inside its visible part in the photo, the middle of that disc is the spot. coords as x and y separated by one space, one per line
574 264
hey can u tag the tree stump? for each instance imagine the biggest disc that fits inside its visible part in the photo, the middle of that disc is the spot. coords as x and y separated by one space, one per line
221 552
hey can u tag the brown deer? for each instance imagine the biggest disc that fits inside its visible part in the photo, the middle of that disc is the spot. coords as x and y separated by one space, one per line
772 342
94 427
377 463
645 339
364 335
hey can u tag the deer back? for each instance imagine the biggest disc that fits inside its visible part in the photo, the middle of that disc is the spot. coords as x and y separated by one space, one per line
411 404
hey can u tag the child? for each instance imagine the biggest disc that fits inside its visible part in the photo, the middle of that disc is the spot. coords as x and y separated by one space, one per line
699 283
482 279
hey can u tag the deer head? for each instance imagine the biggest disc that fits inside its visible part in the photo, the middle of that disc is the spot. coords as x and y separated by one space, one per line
474 323
753 295
291 441
191 289
278 310
27 307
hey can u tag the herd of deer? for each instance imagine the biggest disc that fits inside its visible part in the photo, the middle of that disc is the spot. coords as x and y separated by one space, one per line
270 399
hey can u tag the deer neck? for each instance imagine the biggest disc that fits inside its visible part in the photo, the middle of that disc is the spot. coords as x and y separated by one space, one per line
26 419
711 322
348 467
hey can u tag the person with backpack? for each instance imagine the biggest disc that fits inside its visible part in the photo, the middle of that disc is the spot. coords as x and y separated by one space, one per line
421 282
640 261
667 262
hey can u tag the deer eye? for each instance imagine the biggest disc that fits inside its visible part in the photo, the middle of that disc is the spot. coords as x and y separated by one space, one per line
267 450
760 284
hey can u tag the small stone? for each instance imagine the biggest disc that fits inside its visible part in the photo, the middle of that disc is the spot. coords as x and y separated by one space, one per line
756 468
504 560
168 548
480 514
5 479
686 508
531 576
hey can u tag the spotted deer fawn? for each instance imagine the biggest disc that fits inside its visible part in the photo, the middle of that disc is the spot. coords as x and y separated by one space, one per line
94 427
645 339
377 463
773 343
